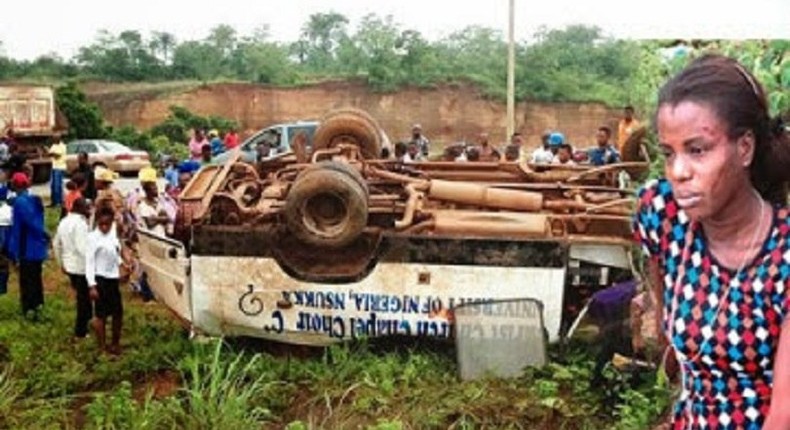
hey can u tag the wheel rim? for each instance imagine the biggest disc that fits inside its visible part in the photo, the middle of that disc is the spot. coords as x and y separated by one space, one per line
325 214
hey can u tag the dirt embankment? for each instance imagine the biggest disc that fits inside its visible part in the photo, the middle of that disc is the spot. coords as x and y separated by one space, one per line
448 113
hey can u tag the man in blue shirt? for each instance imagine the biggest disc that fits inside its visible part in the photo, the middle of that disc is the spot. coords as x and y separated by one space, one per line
171 172
189 166
605 153
217 147
27 243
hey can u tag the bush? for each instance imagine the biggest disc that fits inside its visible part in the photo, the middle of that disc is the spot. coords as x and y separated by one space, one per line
132 138
177 125
170 136
85 118
163 146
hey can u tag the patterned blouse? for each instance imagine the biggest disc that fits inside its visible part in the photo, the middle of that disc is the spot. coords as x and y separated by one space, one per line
726 350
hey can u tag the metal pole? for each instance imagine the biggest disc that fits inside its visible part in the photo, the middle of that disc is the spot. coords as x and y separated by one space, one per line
511 73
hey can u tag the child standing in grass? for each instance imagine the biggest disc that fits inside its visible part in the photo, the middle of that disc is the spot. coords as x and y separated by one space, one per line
102 270
74 189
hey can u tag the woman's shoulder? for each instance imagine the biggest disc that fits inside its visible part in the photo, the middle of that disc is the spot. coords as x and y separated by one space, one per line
657 219
656 199
655 190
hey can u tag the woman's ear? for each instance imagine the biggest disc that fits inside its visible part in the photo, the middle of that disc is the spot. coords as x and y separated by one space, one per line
746 146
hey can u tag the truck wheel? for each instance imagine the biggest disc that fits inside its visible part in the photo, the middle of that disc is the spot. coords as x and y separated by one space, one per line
359 113
349 127
385 142
340 167
327 208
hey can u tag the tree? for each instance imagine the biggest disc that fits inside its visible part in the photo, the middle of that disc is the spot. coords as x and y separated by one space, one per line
320 38
163 43
419 61
194 59
262 62
6 64
477 54
223 39
377 40
50 65
122 58
577 63
85 118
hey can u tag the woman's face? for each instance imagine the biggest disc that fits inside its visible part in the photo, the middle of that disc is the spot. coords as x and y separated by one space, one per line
706 169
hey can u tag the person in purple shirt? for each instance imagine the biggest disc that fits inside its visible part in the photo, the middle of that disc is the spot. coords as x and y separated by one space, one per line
28 243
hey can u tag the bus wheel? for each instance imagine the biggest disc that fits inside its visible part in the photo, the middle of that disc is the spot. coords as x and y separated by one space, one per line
326 207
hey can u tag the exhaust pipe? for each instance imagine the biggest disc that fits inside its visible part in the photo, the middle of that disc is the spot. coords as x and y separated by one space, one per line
481 195
505 224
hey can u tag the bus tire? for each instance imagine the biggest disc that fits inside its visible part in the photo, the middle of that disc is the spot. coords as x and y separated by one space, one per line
351 128
326 207
340 167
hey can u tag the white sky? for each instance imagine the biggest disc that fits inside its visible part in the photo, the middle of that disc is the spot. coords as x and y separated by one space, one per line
34 27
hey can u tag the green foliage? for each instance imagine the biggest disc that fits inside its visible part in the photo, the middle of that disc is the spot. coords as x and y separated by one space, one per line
123 57
262 62
129 136
9 393
221 391
118 410
169 137
162 145
769 61
577 63
320 39
177 125
640 408
296 425
198 60
84 117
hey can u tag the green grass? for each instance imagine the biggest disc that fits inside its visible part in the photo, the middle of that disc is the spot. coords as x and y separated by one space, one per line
164 381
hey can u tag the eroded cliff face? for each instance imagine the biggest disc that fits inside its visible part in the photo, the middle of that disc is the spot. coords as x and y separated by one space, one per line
447 114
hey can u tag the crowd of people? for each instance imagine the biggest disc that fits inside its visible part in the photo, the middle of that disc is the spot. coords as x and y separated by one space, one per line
205 144
555 148
96 239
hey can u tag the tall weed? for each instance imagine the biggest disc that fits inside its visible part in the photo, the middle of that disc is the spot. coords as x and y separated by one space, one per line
220 391
9 393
